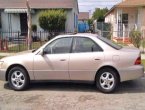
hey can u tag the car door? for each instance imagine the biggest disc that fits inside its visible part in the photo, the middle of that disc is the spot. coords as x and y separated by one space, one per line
85 58
53 65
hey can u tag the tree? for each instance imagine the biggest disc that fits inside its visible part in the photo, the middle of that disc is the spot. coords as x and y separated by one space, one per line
29 22
99 14
135 37
52 20
34 28
90 22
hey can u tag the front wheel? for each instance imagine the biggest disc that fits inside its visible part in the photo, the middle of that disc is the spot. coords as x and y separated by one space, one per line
18 79
107 80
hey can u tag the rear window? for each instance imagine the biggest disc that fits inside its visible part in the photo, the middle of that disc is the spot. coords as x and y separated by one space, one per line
110 43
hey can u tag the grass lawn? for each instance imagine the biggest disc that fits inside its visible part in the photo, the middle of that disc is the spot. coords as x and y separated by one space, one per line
1 57
120 43
143 62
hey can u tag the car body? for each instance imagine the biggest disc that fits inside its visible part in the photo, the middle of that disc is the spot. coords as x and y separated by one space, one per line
79 57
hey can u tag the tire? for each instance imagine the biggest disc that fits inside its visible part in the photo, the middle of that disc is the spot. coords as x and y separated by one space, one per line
18 78
107 80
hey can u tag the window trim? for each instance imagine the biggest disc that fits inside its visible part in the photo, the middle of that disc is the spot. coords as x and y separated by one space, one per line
58 39
101 50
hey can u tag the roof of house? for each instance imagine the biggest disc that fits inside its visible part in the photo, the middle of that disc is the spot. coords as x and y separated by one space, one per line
83 16
37 4
128 3
131 3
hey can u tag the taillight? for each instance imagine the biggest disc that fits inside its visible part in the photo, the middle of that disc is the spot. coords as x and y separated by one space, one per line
138 61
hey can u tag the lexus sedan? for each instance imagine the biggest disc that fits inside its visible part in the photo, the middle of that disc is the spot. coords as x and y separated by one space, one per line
79 57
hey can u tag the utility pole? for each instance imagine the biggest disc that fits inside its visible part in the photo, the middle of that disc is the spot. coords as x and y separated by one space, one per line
29 22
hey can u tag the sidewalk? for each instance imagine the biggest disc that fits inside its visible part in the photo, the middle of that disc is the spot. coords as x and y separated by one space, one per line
10 54
7 54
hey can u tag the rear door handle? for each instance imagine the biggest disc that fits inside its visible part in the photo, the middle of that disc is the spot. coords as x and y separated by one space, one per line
63 60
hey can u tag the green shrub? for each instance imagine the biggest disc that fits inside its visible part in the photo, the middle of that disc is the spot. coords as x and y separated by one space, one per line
52 20
34 27
135 37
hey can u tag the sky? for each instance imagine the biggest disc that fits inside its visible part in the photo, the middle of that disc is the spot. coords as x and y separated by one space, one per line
90 5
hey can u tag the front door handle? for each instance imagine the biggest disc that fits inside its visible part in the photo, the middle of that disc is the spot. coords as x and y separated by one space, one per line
63 60
97 59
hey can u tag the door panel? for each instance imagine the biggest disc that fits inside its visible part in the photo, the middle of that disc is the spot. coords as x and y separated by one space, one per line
54 64
83 66
85 58
51 67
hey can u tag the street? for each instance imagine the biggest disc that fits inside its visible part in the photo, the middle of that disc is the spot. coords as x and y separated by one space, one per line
130 95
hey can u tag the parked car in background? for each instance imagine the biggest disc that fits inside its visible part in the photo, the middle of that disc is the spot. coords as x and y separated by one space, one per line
79 57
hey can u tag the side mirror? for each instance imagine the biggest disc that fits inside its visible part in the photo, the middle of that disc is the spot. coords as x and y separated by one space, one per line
44 52
33 50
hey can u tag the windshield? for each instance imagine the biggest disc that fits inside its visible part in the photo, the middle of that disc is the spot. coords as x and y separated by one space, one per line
110 43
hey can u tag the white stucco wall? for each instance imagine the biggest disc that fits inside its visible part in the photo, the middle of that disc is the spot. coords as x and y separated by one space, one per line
35 18
69 25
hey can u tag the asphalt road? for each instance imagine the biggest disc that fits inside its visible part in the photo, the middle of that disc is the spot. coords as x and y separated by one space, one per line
130 95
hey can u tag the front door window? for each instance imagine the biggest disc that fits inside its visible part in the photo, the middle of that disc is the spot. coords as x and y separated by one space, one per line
59 46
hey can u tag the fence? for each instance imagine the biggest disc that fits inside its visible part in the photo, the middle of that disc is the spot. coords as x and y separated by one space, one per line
17 41
119 31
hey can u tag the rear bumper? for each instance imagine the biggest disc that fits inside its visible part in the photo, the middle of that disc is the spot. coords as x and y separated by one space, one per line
131 73
2 74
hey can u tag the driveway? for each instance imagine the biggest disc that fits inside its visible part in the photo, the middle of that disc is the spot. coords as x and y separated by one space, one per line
66 96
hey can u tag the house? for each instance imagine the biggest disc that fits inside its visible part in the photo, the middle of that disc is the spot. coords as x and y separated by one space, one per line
83 18
125 16
13 13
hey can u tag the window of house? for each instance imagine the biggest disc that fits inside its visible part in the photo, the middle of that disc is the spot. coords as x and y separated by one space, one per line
82 44
125 18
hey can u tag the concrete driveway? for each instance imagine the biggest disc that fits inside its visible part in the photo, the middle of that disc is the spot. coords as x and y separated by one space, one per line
65 96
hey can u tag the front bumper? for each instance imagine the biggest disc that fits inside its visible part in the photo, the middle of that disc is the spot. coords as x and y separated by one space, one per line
2 74
131 73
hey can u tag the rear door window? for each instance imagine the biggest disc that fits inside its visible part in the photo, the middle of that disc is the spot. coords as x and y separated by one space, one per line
83 44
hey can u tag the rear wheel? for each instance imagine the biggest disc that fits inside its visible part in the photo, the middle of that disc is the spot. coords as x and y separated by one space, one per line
107 80
18 79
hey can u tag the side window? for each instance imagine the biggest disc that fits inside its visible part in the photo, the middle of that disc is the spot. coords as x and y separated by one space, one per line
82 44
59 46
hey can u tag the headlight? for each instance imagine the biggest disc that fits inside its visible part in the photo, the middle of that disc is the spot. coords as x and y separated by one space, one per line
1 63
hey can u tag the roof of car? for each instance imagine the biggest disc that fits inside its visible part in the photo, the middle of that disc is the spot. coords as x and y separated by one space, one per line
79 34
